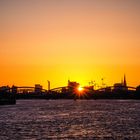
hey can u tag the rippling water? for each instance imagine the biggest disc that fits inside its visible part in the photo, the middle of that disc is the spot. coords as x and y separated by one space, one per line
68 119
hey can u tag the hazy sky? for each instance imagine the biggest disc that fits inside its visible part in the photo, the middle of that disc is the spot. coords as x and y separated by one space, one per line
79 40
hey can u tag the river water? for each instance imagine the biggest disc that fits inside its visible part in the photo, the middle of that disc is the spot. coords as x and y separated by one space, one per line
69 119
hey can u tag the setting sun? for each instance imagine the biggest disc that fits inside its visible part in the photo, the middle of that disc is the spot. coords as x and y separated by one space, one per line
80 89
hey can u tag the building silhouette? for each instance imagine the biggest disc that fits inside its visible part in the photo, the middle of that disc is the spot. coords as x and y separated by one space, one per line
73 86
121 86
38 88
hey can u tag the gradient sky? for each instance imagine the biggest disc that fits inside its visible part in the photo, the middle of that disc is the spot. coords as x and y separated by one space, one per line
80 40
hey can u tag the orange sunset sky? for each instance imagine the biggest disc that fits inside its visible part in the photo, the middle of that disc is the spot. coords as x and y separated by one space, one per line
80 40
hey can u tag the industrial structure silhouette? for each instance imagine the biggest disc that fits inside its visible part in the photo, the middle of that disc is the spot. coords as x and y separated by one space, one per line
71 91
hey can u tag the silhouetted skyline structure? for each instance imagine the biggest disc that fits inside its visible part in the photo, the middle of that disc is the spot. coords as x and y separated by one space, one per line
71 91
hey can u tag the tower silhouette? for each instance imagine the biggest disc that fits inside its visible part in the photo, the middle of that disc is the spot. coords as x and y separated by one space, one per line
124 81
49 85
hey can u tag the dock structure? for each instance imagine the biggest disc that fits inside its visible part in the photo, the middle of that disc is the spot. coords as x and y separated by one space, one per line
8 95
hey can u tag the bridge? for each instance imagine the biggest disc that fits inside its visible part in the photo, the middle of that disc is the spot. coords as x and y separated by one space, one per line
59 89
116 87
29 89
20 89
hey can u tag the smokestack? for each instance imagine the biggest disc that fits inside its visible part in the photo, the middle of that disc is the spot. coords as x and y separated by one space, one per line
48 85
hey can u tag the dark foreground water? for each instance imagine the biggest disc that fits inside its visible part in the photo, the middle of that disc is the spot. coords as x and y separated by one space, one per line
68 119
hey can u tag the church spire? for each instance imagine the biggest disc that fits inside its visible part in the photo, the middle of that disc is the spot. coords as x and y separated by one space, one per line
124 82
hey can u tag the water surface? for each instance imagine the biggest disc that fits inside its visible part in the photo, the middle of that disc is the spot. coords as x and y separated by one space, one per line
69 119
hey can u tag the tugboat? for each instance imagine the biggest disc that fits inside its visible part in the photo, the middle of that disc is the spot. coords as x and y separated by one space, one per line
7 95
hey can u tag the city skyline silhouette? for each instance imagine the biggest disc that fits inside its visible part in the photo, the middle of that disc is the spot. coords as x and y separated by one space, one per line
73 90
